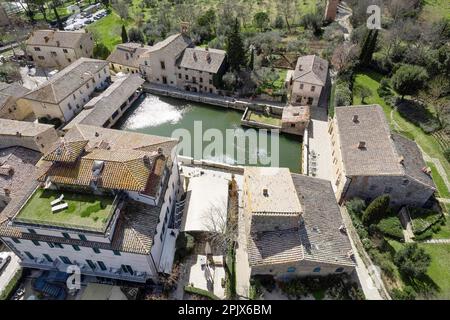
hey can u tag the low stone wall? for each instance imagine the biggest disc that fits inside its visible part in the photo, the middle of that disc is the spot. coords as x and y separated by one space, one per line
189 161
305 152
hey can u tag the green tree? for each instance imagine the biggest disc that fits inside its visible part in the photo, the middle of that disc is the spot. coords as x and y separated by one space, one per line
101 51
124 34
261 20
376 210
235 48
409 79
229 80
368 47
412 261
58 19
135 35
363 92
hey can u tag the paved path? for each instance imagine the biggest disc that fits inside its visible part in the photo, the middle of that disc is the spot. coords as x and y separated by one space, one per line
9 272
438 241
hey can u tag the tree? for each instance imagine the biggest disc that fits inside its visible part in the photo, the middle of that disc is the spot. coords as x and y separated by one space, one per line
261 20
368 47
312 21
122 9
9 72
135 35
58 19
376 210
101 51
287 9
235 48
412 261
409 79
124 35
229 80
222 229
363 91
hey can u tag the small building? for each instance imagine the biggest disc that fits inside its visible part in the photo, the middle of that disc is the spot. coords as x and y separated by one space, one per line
369 160
306 82
34 136
126 57
103 200
64 95
9 108
159 63
295 119
293 225
200 68
58 49
331 9
105 109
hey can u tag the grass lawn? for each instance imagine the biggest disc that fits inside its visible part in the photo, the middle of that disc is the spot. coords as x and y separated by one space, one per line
439 270
439 182
108 30
85 211
427 142
444 233
261 118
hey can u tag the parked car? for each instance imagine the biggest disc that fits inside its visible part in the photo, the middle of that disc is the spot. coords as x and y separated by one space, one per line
5 258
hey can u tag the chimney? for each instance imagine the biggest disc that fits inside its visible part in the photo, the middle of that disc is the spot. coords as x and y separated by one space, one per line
184 26
265 192
46 39
208 57
355 118
362 145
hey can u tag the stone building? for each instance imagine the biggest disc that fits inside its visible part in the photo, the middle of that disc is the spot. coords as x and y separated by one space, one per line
34 136
200 69
306 82
293 225
369 160
106 109
58 49
128 183
64 95
295 119
9 108
126 57
331 9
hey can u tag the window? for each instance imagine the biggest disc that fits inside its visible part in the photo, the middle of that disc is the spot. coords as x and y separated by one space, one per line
65 51
82 237
163 65
81 46
116 253
66 235
65 260
316 269
313 88
96 250
291 269
292 125
179 76
210 81
201 80
310 100
340 269
50 244
58 245
301 85
53 53
186 77
36 243
29 255
15 240
37 49
194 80
76 248
127 269
115 114
101 265
46 256
91 264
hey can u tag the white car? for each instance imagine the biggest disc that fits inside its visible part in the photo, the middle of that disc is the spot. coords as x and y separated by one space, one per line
5 258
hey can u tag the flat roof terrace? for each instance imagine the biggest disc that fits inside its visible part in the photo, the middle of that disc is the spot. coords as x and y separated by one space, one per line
84 211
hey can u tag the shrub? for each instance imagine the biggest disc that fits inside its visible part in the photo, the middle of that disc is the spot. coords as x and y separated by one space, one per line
412 261
343 94
409 79
376 210
447 154
391 227
201 292
356 207
407 293
185 245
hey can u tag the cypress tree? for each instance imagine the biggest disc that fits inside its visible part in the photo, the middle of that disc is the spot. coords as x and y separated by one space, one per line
235 48
124 35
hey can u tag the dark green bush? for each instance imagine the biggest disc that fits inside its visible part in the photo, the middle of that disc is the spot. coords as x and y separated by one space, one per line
391 227
356 207
447 154
376 210
407 293
201 292
412 261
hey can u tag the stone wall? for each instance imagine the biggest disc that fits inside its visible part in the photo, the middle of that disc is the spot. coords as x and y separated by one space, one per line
276 222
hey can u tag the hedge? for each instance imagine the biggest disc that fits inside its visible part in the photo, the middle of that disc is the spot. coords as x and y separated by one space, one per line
12 285
201 292
391 227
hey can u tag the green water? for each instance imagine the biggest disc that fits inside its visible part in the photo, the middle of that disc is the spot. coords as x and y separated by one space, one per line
162 116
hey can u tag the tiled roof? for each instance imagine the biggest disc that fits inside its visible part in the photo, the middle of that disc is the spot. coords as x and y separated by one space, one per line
128 54
311 69
201 59
24 128
56 38
66 151
67 81
321 239
177 43
378 156
413 162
